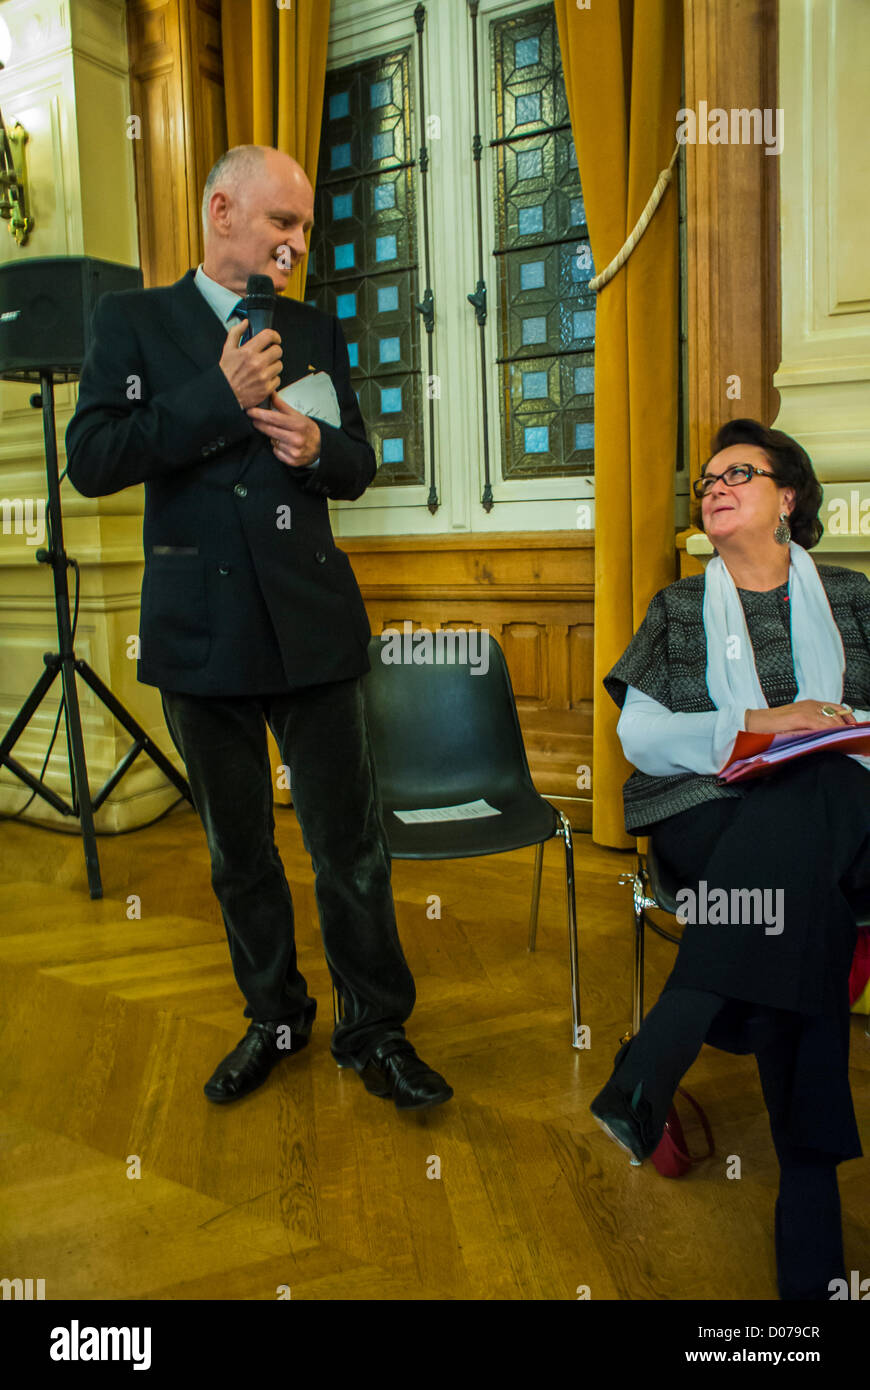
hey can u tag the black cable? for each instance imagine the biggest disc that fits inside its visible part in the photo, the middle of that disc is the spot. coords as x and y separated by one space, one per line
100 834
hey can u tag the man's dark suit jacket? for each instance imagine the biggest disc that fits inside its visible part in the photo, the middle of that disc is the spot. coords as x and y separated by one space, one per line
233 602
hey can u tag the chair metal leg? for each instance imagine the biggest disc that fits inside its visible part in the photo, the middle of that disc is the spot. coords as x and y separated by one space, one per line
640 902
565 832
639 921
337 1006
536 894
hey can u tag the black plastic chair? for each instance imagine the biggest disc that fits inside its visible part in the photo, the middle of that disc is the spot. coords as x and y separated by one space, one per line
655 889
444 735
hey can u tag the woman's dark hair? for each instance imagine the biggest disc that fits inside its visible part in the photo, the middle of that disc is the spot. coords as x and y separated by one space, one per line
792 467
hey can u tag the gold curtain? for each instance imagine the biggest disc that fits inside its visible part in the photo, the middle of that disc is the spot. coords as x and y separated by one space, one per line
274 77
622 64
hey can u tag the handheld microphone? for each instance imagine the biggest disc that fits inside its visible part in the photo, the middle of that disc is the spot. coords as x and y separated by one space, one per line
259 303
260 310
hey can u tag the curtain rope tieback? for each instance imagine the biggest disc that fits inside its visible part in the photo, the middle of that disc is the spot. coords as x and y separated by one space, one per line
599 281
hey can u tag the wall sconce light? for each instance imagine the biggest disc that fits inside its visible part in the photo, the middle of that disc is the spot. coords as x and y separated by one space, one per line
13 176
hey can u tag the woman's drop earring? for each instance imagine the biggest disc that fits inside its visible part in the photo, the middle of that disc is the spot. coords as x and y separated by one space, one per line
782 534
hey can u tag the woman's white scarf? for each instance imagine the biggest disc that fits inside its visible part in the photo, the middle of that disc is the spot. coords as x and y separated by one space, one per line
817 647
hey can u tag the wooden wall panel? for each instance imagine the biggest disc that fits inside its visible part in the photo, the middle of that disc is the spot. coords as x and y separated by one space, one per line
580 661
533 592
207 123
524 646
176 87
161 195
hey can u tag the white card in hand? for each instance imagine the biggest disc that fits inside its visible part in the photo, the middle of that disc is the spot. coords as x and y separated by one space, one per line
314 395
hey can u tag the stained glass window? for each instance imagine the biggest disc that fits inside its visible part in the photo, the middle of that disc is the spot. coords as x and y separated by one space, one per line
546 316
363 261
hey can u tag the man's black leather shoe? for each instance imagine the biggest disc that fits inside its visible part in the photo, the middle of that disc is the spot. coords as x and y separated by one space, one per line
394 1071
251 1061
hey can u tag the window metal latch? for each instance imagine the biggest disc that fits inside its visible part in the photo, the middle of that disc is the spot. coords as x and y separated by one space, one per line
427 308
478 299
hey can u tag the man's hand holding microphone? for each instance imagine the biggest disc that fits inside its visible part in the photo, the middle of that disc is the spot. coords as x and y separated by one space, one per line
253 370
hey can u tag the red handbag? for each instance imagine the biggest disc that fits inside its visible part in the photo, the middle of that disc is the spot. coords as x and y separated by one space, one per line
672 1157
859 975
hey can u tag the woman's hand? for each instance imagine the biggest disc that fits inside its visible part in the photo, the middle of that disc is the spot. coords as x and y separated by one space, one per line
802 718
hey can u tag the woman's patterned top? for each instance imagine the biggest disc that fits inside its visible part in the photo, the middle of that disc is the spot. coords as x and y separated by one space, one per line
667 660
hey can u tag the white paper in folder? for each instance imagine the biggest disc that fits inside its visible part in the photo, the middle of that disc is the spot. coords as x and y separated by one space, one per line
314 395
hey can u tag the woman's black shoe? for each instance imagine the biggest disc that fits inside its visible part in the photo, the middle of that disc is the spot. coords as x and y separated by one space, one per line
628 1120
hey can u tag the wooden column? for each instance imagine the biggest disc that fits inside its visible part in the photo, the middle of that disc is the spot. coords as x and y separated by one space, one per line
732 222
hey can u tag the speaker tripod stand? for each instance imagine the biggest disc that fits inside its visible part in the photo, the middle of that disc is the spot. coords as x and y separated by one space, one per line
67 665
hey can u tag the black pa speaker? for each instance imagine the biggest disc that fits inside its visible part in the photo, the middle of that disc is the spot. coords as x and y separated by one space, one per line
45 312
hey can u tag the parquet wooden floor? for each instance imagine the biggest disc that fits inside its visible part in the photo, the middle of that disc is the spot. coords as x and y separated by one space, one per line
110 1026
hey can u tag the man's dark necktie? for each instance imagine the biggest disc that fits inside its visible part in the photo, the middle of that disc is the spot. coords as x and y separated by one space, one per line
239 313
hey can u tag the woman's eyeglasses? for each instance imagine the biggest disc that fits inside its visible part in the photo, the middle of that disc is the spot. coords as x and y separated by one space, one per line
734 477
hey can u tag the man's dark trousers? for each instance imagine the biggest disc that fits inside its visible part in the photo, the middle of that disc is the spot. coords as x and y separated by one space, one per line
323 740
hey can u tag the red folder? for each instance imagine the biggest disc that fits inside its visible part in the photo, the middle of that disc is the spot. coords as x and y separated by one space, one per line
755 754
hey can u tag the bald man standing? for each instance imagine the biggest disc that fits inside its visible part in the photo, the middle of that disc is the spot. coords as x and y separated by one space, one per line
251 615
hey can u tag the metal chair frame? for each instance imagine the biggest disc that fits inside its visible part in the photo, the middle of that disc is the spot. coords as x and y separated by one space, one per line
562 831
643 901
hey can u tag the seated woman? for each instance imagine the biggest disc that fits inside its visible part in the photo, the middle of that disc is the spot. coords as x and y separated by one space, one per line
767 642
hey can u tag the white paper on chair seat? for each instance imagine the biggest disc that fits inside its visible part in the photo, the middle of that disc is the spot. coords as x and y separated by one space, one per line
470 810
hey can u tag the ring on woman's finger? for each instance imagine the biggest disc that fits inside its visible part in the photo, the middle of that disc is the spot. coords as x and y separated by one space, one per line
830 711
